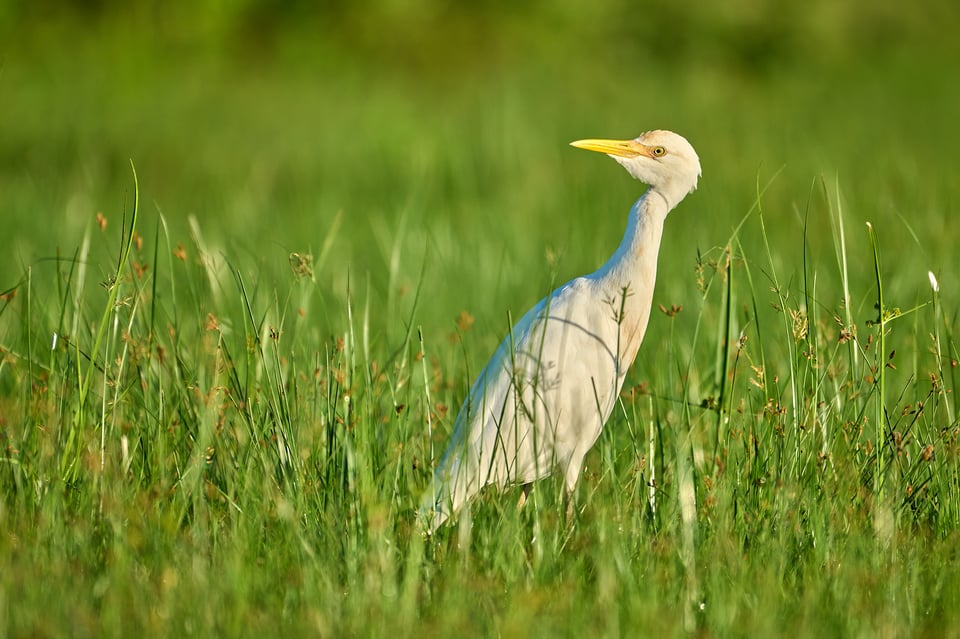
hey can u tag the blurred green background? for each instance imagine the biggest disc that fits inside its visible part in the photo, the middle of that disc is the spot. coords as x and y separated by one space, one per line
420 148
438 131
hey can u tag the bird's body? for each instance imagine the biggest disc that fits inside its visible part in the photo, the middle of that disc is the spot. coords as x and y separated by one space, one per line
541 401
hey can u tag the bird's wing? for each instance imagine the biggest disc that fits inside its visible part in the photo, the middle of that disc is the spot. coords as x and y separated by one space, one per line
542 397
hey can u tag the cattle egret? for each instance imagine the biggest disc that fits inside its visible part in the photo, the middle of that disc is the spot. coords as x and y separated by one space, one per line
541 401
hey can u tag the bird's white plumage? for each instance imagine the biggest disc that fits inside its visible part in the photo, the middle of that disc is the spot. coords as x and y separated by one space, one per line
541 401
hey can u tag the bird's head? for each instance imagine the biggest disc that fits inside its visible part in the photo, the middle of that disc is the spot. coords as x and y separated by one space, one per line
662 159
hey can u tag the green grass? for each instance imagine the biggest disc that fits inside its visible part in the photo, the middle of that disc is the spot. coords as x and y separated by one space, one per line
218 412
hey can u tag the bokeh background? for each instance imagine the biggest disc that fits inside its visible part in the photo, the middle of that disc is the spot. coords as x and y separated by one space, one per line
439 129
417 150
420 147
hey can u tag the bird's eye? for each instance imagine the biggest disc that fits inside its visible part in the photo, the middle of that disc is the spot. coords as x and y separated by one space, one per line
659 151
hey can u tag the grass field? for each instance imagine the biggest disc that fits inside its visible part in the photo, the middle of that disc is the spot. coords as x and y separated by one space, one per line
255 257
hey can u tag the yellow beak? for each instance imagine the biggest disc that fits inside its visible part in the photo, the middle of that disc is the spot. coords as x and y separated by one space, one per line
622 148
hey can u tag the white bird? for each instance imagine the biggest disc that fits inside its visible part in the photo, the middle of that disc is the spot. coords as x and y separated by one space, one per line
541 401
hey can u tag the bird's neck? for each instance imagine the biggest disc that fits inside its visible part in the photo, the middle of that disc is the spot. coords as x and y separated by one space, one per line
627 279
634 264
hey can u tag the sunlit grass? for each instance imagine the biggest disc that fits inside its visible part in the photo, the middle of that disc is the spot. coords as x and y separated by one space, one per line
246 470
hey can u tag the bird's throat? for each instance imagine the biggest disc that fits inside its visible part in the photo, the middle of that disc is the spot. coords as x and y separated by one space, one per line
634 264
